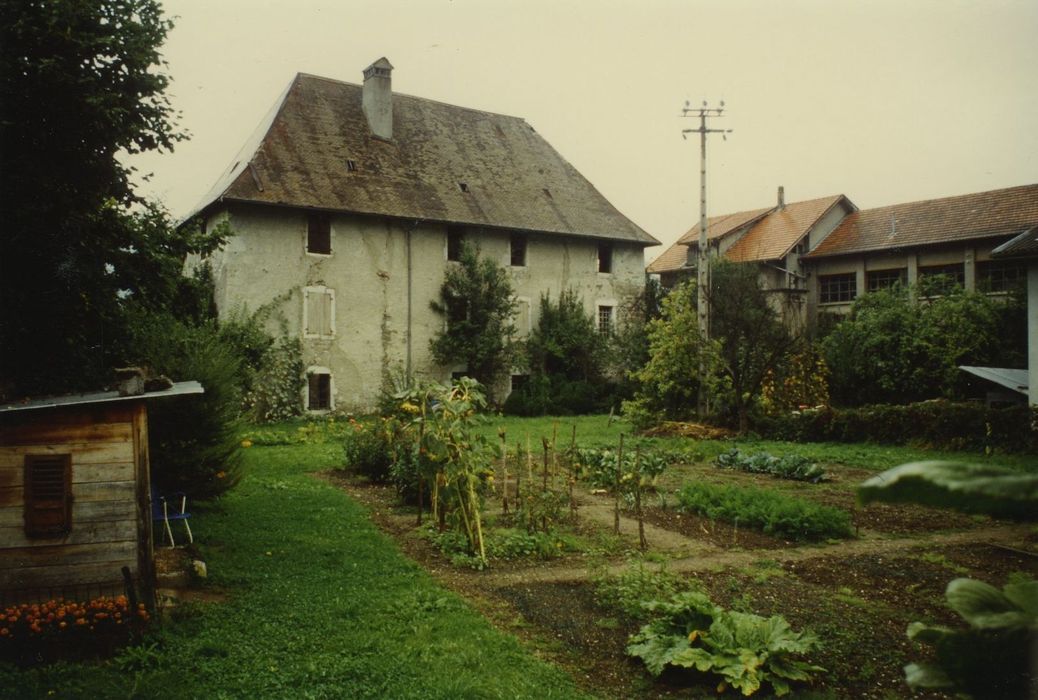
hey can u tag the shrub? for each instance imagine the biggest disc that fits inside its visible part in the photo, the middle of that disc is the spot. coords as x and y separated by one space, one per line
368 450
630 591
770 511
939 424
746 650
795 467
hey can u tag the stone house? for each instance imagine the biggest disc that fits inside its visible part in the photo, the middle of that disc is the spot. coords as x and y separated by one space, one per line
349 203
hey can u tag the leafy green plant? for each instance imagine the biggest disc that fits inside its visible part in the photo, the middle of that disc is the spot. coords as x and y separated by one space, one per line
631 590
368 450
990 658
745 650
790 466
770 511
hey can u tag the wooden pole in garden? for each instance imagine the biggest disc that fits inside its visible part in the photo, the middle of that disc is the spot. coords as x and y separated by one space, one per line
572 472
544 483
518 473
642 542
504 470
619 476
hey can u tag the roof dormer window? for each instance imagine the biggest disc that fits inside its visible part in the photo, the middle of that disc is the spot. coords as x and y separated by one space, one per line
463 186
351 165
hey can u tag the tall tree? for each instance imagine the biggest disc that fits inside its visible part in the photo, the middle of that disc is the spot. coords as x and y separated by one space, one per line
81 84
477 299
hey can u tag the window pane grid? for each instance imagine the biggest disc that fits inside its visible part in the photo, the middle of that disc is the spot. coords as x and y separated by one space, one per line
837 288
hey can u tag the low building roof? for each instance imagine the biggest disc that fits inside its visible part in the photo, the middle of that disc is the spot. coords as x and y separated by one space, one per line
1012 379
178 389
675 257
1004 212
1023 246
444 163
776 234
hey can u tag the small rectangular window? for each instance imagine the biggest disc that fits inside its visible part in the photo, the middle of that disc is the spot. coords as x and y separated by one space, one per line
605 320
834 289
518 250
455 242
319 391
48 495
318 312
518 381
318 234
605 257
885 279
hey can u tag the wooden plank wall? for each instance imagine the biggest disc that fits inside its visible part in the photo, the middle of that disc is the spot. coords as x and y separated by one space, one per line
104 534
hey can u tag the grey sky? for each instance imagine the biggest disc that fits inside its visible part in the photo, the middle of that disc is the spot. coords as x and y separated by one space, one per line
883 101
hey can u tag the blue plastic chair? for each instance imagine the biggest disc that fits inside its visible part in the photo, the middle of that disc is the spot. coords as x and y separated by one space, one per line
164 508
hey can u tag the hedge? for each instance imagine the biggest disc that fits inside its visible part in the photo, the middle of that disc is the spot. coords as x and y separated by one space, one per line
938 424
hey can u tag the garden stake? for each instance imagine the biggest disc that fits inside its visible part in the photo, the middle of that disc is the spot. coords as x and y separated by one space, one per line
518 473
642 542
544 482
619 477
572 473
504 471
554 459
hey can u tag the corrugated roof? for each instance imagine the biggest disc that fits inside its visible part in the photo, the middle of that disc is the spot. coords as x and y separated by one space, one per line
979 215
1012 379
776 234
675 257
444 163
178 389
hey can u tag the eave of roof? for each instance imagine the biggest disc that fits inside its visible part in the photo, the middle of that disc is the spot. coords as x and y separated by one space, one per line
512 177
1023 246
96 397
1012 379
975 216
777 233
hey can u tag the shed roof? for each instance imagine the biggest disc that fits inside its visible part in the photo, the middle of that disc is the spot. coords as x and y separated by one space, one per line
178 389
1012 379
1002 212
444 163
1024 245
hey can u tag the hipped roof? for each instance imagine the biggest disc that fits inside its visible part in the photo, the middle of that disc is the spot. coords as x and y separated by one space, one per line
445 163
973 216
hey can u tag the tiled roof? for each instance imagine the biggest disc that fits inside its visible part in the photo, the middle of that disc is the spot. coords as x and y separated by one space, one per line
444 163
1024 245
674 257
776 234
979 215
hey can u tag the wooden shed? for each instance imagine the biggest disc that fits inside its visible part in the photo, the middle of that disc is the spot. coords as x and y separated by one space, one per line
75 503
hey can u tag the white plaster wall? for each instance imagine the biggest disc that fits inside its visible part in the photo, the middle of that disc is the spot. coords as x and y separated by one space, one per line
266 262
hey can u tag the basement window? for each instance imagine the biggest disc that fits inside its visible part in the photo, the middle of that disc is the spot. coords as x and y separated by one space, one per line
318 234
48 495
605 257
605 320
319 390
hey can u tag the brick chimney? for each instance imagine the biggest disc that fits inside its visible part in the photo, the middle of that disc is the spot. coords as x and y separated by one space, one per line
781 197
377 98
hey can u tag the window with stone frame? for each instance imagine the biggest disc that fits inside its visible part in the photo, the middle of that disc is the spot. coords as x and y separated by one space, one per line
319 391
834 289
605 320
318 234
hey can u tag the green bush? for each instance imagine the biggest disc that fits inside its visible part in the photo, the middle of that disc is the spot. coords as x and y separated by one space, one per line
368 451
193 440
939 424
630 591
770 511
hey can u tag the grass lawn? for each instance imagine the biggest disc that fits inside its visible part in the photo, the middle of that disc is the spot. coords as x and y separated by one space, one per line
319 605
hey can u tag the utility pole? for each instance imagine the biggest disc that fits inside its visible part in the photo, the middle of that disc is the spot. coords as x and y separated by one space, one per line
702 262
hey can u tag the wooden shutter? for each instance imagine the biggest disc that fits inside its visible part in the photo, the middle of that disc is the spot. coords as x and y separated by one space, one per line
319 312
48 495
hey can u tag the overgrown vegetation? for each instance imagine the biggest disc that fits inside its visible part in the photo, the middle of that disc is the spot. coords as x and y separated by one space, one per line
902 345
476 299
772 512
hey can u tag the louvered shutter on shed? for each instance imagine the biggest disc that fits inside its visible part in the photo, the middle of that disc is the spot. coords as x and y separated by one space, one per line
48 495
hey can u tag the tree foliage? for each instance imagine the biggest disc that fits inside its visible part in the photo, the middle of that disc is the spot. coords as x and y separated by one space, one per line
476 298
81 83
565 344
898 347
748 343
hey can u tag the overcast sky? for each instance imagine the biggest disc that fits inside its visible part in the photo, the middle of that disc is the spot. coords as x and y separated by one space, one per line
885 101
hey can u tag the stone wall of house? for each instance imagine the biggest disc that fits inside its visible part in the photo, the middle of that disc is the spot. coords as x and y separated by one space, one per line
364 285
